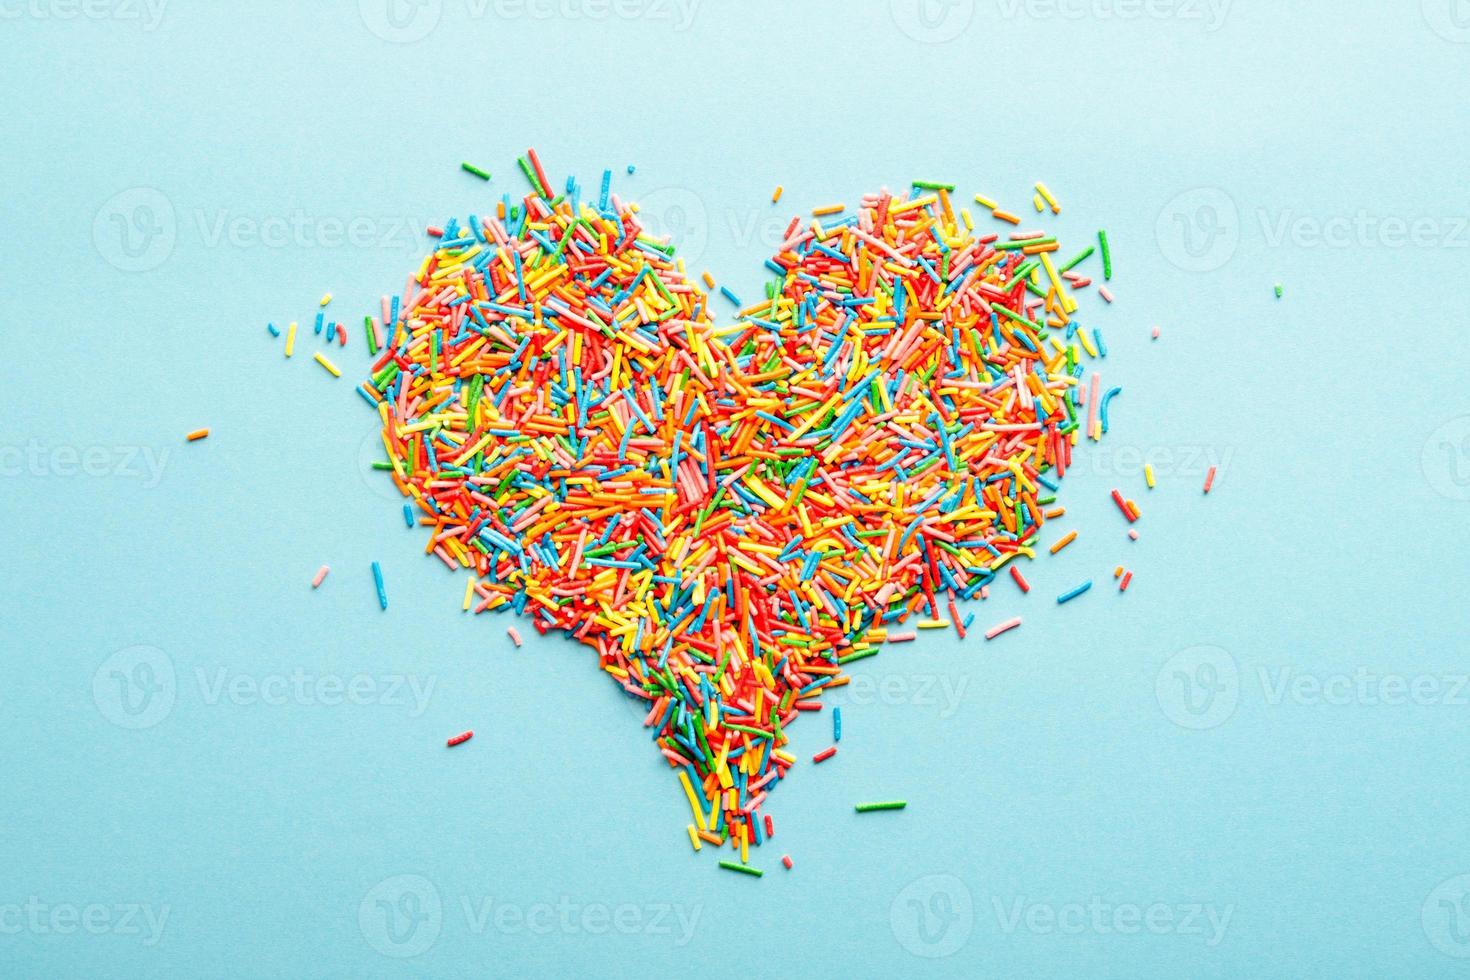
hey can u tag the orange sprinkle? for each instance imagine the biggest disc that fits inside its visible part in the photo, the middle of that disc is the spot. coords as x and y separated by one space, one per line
1065 540
197 434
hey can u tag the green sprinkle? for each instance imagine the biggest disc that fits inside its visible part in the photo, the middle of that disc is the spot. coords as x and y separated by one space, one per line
1077 259
1102 239
372 339
470 168
930 185
531 177
1278 290
744 869
883 805
857 656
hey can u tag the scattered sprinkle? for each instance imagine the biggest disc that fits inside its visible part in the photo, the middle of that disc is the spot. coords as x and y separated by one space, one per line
331 368
320 576
1074 593
197 434
378 582
1000 628
1209 479
883 805
470 168
744 869
460 739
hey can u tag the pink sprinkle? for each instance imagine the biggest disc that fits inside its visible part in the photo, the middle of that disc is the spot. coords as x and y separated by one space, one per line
321 573
461 737
1156 333
1104 293
902 637
825 754
786 860
1132 534
1209 479
1000 628
515 636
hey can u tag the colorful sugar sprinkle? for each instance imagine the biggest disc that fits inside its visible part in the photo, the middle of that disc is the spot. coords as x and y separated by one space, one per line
470 168
332 369
727 515
196 435
378 583
460 739
320 577
1000 628
883 805
744 869
1074 593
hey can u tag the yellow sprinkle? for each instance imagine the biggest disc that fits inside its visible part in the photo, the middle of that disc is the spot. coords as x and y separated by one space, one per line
1036 200
327 364
933 624
986 202
693 801
1148 474
709 280
290 339
777 195
693 837
326 298
1041 189
828 209
469 590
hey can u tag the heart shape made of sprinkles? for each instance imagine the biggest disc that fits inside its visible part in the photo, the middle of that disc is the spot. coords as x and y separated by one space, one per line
727 513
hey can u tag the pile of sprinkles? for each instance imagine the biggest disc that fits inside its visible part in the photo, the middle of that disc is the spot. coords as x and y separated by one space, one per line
729 514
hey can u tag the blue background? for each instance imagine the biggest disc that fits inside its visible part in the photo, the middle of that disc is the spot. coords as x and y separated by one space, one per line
172 185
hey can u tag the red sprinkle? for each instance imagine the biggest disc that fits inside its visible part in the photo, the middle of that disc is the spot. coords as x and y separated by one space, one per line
461 737
1016 574
770 826
1128 512
1123 585
1209 479
825 754
786 860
